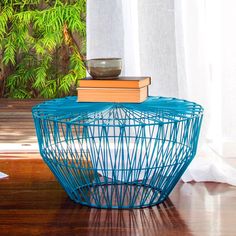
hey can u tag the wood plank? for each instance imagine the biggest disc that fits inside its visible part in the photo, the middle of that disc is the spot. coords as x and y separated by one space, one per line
20 155
21 139
29 124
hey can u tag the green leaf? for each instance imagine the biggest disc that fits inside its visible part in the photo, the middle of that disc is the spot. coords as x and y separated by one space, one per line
9 53
32 46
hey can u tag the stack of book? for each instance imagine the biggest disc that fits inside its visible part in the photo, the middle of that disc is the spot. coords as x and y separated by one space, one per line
122 89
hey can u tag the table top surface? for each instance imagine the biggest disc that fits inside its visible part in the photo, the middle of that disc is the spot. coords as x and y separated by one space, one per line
153 110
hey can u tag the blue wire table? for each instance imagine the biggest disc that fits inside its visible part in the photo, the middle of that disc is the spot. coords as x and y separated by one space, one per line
118 155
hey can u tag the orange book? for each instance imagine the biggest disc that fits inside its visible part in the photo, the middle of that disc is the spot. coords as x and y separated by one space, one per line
131 95
120 82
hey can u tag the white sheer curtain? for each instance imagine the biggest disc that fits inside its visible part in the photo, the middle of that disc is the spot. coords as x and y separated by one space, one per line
204 77
180 44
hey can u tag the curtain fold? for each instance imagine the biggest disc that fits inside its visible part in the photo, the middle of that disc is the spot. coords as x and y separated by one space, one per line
180 45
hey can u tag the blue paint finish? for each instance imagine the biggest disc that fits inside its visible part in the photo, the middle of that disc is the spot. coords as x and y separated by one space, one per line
118 155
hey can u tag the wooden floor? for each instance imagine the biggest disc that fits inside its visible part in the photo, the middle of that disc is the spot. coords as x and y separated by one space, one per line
33 203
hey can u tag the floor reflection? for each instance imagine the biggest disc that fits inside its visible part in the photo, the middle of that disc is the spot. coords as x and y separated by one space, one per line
209 205
163 219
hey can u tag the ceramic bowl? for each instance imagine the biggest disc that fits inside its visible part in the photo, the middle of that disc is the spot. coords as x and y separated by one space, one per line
104 68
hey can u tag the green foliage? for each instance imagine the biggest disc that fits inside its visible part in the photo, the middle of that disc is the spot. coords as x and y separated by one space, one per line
42 45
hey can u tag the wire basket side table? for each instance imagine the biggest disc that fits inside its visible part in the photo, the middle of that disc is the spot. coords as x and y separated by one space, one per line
118 155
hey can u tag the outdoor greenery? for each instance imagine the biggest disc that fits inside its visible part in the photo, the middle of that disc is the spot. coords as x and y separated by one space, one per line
42 47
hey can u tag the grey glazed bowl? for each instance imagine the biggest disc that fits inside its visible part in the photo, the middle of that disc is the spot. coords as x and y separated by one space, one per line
104 68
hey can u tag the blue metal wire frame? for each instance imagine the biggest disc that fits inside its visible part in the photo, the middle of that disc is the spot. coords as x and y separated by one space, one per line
118 155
